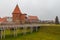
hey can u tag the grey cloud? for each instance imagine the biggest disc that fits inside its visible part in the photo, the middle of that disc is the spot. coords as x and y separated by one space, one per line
44 9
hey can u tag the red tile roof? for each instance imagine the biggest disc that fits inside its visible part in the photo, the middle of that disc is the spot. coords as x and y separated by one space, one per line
33 17
3 20
17 9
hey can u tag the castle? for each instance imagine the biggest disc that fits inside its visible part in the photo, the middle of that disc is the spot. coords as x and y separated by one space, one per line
19 17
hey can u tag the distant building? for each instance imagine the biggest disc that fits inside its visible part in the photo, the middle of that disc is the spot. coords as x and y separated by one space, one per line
47 21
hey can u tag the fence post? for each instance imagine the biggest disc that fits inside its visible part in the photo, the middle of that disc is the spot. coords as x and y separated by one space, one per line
1 33
14 32
31 29
36 28
4 32
3 29
24 30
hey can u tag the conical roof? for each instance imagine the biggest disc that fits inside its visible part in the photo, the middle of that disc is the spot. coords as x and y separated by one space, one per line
17 10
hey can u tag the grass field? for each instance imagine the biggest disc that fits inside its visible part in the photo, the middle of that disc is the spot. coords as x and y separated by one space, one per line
44 33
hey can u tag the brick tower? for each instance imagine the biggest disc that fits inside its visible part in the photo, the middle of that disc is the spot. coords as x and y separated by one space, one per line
16 14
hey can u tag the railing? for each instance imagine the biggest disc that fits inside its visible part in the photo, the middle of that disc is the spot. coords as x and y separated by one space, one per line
15 27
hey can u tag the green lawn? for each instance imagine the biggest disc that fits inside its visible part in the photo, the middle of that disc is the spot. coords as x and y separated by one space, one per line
45 33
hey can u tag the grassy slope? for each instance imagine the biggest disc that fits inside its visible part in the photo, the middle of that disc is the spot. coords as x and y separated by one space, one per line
45 33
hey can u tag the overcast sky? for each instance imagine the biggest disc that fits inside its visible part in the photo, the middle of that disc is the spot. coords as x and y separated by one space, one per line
44 9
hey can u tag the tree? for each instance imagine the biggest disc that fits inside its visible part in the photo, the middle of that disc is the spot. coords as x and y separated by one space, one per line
56 20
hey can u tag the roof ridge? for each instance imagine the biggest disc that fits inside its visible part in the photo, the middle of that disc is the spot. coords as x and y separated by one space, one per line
17 9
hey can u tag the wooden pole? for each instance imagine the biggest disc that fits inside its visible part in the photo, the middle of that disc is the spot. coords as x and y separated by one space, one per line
4 32
14 28
1 33
31 29
14 32
36 28
24 30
